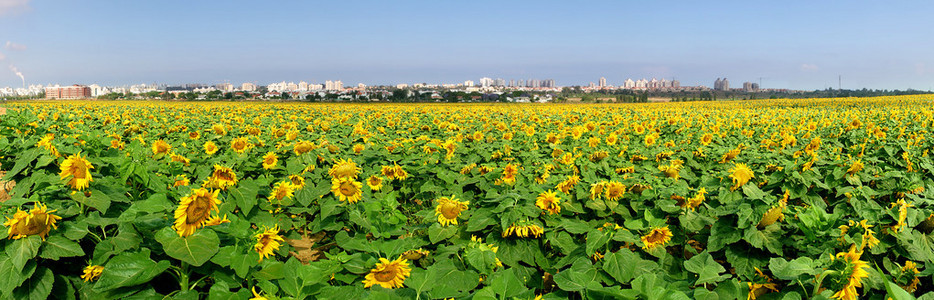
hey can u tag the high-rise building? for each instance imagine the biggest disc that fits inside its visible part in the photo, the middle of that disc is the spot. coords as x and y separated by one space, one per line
68 92
602 82
629 84
750 87
499 82
468 83
486 82
247 87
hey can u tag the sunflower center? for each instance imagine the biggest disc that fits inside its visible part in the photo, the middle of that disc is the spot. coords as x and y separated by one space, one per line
656 237
348 189
35 225
385 275
225 176
198 210
450 210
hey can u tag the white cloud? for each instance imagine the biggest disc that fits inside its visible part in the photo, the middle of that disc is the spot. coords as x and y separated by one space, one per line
14 46
2 57
809 67
13 6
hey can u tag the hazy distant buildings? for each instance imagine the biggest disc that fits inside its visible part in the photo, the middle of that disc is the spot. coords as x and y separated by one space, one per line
602 82
333 85
247 87
750 87
68 92
629 84
721 84
651 85
468 83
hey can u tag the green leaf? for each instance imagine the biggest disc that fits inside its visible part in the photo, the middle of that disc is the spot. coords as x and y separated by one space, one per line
791 270
271 270
23 250
56 247
25 158
768 238
37 287
437 233
129 269
624 265
596 240
456 283
245 195
753 192
195 249
13 276
707 270
507 284
421 281
896 292
482 260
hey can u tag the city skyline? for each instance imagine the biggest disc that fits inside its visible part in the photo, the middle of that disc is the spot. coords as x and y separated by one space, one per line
797 45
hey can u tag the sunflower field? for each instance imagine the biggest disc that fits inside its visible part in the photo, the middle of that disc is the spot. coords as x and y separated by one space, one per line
764 199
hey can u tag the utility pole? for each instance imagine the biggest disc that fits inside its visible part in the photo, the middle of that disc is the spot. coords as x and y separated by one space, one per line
839 82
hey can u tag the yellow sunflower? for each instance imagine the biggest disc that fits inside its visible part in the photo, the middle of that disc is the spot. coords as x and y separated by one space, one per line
615 190
210 148
344 169
282 190
448 209
357 148
194 210
181 180
656 237
388 274
270 160
160 147
79 168
222 178
855 167
374 182
416 254
92 273
509 173
38 221
740 174
216 220
548 201
239 145
851 271
399 173
194 135
257 296
298 182
523 231
346 189
302 147
267 241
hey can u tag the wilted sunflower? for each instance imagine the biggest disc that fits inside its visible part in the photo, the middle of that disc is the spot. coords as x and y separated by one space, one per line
267 241
194 210
388 274
659 236
399 173
38 221
374 182
92 273
160 147
740 174
181 180
568 184
762 286
79 168
523 231
282 190
908 277
344 169
222 178
239 145
695 201
302 147
448 209
210 148
414 254
548 201
509 173
346 189
270 160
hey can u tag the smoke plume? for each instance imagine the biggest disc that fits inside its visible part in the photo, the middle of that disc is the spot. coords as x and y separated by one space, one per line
18 73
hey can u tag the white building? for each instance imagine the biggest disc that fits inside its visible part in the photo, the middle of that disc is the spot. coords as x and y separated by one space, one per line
629 84
247 87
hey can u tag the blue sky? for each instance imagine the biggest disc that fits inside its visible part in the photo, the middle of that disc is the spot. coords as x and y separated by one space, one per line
789 44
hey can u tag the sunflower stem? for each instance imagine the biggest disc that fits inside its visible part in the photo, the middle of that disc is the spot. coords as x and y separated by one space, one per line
183 277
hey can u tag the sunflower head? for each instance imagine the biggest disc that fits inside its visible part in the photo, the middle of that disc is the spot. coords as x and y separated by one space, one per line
270 160
615 190
38 221
160 147
210 148
658 236
239 145
79 169
855 167
302 147
92 273
448 209
344 169
388 274
282 190
222 178
414 254
267 241
194 210
374 182
848 273
548 202
740 174
297 181
347 189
